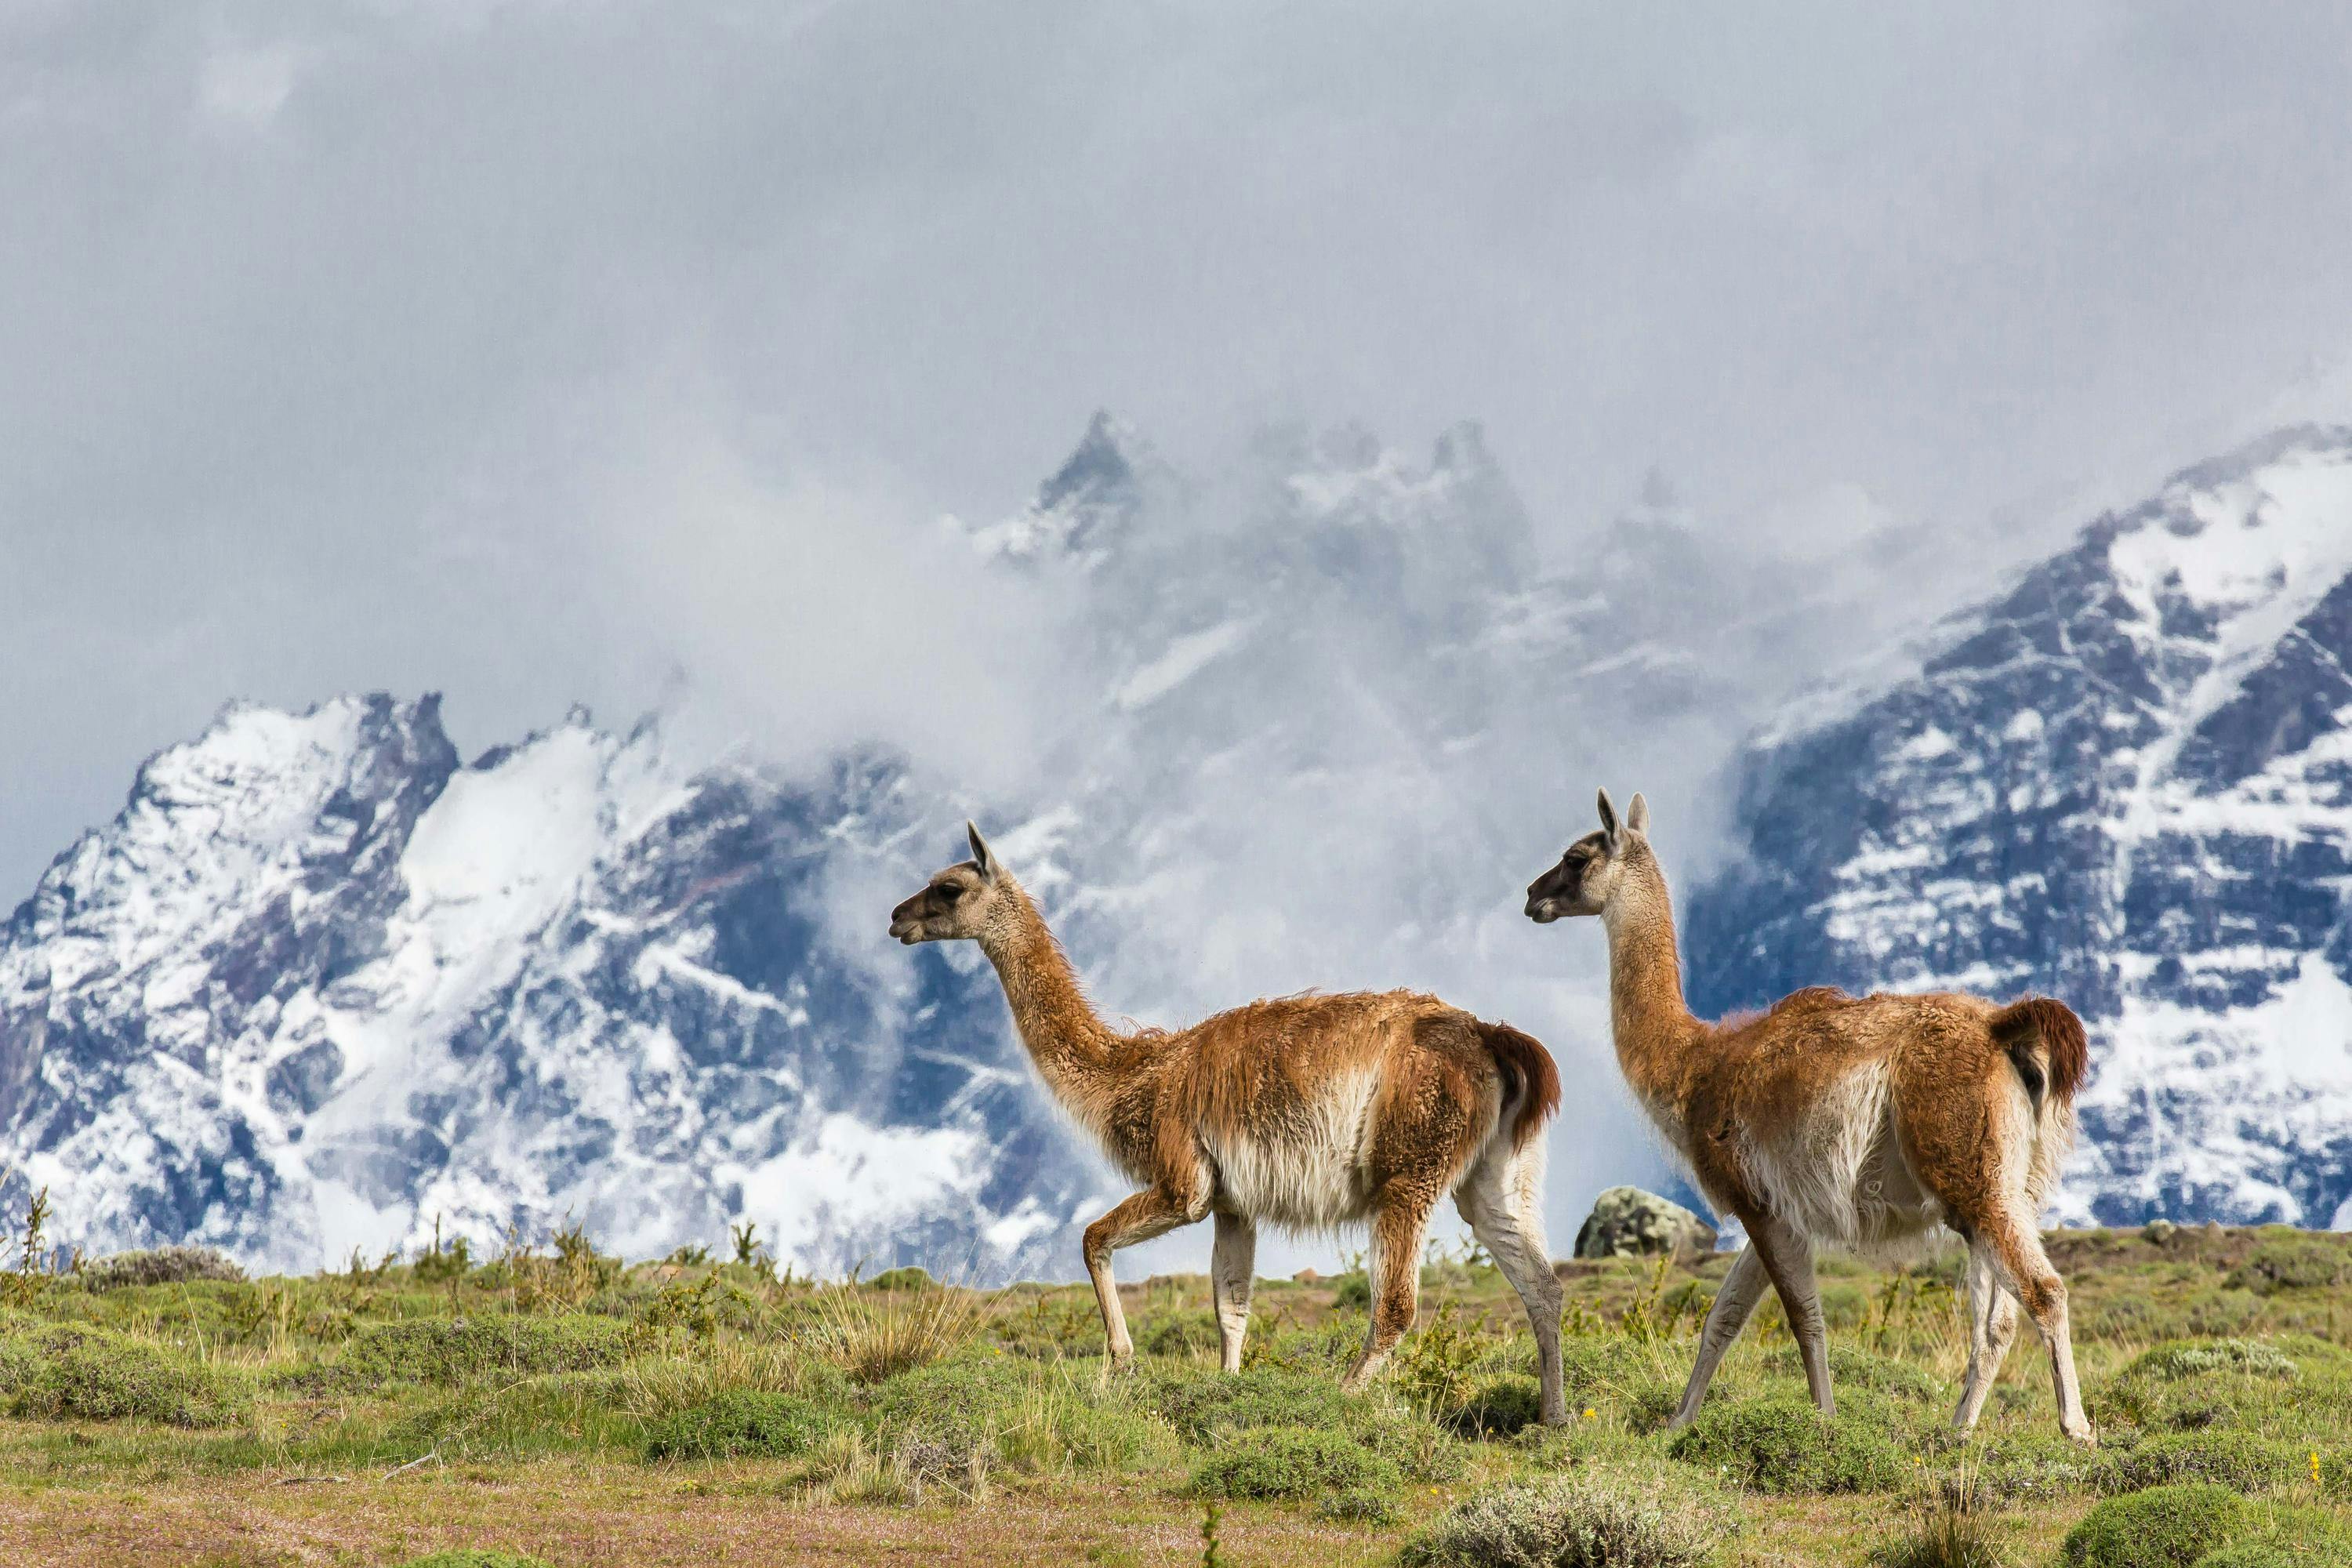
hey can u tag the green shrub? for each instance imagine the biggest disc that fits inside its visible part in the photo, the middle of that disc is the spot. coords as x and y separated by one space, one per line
2239 1460
2026 1467
1496 1408
452 1350
1424 1450
1851 1368
1784 1444
962 1402
1585 1519
1063 1424
2288 1264
2276 1554
736 1422
1605 1369
910 1278
1361 1505
1293 1462
2164 1527
2193 1358
553 1414
161 1266
1178 1332
1352 1289
73 1370
1198 1402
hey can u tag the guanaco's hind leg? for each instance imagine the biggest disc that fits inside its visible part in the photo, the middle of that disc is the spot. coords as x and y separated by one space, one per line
1736 1296
1788 1257
1233 1270
1398 1225
1500 1199
2016 1248
1149 1212
1992 1325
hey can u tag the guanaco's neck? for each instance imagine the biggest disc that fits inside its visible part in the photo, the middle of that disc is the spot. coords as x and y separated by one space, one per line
1070 1045
1656 1035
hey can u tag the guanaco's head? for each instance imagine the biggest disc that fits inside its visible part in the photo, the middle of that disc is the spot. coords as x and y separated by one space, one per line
957 903
1590 870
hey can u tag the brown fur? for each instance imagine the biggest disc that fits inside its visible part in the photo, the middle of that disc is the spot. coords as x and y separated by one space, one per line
1535 1077
1834 1117
1304 1111
2045 1040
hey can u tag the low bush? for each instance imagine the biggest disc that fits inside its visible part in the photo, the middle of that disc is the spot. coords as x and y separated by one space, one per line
1294 1462
1580 1521
1067 1424
1783 1445
1198 1402
161 1266
95 1374
452 1350
2023 1467
1182 1331
1424 1450
2290 1263
1496 1408
966 1401
737 1422
2239 1460
1851 1368
910 1278
2164 1527
555 1413
2271 1554
1361 1505
1604 1370
2193 1358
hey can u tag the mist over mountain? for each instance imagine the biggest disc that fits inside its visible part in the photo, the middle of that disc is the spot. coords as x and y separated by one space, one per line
1311 724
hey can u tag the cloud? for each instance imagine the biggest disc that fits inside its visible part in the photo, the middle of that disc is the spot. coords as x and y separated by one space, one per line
540 351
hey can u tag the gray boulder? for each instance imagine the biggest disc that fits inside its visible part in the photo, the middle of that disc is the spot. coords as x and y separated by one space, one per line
1627 1222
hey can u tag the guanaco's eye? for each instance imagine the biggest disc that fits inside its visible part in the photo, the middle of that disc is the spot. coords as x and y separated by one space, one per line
951 891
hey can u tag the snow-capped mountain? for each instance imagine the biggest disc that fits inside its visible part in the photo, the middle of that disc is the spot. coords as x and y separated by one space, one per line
2126 781
322 981
320 985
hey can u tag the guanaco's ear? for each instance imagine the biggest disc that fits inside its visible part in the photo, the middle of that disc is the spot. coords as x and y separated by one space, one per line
1637 815
1608 819
979 852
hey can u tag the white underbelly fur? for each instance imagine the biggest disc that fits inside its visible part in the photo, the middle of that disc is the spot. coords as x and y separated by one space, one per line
1838 1173
1316 1175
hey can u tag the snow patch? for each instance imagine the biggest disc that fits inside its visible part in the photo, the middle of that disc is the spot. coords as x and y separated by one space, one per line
1184 658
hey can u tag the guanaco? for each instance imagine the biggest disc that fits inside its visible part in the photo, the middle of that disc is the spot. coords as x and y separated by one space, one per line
1306 1113
1851 1121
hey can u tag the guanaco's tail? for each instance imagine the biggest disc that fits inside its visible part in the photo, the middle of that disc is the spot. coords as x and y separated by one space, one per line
2045 1041
1529 1079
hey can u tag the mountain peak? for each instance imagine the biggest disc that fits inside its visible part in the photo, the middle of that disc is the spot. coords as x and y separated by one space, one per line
316 987
1086 509
2128 781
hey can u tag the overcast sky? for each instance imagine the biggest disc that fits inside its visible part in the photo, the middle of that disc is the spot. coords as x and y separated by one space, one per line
535 350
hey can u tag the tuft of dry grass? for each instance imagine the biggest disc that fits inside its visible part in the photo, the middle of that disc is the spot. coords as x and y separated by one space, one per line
1945 1538
878 1335
653 1386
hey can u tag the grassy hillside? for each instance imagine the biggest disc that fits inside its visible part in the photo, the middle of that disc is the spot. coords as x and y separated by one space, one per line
586 1413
